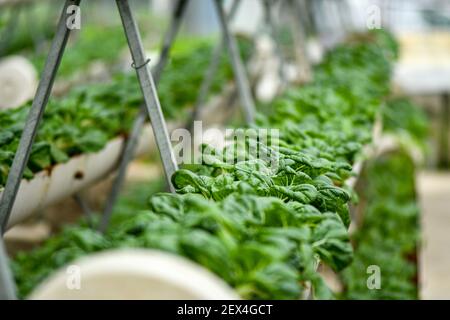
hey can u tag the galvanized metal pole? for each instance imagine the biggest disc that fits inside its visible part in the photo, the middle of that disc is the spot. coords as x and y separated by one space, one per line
211 71
152 105
82 203
36 34
7 285
243 84
138 124
35 115
444 148
148 89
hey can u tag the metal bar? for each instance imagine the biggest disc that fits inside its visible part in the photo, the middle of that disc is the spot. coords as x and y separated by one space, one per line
210 72
80 200
444 148
152 105
7 284
148 89
243 84
34 117
138 124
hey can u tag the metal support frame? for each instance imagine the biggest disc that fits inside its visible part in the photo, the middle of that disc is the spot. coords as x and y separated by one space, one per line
34 117
7 284
81 201
444 148
241 79
140 63
138 124
211 71
152 107
148 88
242 82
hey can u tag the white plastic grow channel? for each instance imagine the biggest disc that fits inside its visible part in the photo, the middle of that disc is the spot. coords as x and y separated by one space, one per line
48 187
137 274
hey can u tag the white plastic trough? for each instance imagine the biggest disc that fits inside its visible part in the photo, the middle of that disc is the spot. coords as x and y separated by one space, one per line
133 274
64 180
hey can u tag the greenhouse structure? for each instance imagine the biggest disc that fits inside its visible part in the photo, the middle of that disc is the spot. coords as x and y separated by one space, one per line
225 150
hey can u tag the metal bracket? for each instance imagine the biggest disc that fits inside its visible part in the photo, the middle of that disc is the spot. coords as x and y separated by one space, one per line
133 65
149 90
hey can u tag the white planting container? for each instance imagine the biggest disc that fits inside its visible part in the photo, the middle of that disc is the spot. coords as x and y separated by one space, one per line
64 180
137 274
18 81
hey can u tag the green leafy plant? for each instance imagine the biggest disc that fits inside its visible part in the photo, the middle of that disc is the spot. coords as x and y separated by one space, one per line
261 228
406 120
389 235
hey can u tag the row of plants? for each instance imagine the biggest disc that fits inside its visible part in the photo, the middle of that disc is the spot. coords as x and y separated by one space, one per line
29 29
23 27
389 235
261 228
89 116
83 49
